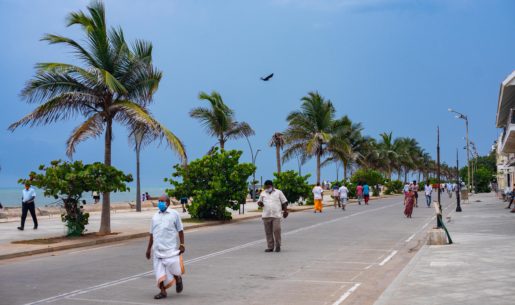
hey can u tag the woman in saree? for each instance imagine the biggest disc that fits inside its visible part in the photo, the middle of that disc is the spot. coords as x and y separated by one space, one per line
409 202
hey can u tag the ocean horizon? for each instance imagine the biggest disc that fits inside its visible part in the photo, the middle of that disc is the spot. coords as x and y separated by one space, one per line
11 196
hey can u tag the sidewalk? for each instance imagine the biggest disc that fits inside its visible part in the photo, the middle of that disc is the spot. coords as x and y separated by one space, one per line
477 269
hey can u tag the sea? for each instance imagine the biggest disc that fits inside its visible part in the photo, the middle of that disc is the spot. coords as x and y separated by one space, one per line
11 197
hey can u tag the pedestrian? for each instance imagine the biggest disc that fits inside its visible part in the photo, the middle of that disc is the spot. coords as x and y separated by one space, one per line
414 188
96 197
366 193
28 205
405 190
409 203
147 196
512 197
168 264
336 196
184 203
318 196
344 195
359 193
428 190
275 207
143 197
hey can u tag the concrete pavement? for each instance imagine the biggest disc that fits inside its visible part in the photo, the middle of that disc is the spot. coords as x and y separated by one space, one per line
477 269
337 257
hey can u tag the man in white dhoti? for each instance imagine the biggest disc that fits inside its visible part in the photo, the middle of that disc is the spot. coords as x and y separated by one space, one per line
167 258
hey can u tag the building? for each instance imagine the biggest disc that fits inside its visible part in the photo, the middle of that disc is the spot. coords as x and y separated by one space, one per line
505 120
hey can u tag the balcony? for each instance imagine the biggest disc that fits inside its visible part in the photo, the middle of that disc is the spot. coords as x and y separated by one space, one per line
508 136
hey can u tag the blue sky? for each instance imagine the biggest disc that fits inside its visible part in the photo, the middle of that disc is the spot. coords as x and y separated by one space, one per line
392 65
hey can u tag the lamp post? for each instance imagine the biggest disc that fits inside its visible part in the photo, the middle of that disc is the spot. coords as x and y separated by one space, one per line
254 157
465 118
458 184
138 137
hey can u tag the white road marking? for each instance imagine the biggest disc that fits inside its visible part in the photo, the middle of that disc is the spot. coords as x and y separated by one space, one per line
194 260
316 281
347 294
96 248
369 266
411 237
389 257
108 301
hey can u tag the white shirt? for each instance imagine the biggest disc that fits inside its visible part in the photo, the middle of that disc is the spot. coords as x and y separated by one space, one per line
317 192
27 194
272 203
406 188
428 189
165 229
343 191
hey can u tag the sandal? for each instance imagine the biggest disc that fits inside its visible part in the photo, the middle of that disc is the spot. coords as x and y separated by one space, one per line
160 296
179 286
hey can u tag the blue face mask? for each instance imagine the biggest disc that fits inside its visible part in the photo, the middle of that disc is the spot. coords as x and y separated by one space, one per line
162 206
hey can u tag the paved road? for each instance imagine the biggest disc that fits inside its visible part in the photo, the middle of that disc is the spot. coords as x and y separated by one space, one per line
337 257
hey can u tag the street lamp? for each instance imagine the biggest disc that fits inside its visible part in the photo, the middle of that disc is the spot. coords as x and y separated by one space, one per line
465 118
254 157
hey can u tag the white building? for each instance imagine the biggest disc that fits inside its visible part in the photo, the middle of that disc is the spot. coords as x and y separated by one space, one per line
506 142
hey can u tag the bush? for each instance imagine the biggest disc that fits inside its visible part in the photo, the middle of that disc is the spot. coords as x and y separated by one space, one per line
482 178
68 181
370 176
215 182
293 185
394 187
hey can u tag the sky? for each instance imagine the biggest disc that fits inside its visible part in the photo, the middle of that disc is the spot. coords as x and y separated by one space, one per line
393 65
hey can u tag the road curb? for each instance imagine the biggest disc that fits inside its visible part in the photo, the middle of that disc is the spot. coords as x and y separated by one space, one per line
113 239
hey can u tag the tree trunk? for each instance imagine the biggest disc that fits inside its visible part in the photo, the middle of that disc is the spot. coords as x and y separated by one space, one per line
345 170
278 158
105 220
138 185
318 166
406 175
222 143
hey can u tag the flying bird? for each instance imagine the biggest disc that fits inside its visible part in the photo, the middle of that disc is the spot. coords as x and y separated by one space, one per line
267 78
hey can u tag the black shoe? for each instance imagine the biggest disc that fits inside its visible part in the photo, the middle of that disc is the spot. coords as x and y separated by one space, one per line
178 286
269 250
35 227
277 249
20 228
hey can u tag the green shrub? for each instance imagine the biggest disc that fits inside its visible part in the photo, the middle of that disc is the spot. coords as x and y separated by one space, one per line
68 181
215 182
293 185
394 187
370 176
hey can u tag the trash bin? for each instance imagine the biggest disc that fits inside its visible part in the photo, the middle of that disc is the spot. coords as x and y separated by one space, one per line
464 195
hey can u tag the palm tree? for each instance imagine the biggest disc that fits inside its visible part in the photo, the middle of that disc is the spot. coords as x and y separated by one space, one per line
310 129
142 135
346 144
219 119
277 141
388 152
115 84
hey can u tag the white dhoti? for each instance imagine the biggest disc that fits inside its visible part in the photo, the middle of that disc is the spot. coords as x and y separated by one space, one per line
166 268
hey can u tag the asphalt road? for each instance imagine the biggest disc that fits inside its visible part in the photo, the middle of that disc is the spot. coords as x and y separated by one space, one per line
337 257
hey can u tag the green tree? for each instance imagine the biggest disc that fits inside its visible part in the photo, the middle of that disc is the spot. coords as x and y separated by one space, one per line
215 182
277 141
370 176
115 83
68 181
310 129
293 185
219 119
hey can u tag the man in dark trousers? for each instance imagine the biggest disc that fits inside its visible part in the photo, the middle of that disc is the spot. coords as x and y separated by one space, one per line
274 205
27 202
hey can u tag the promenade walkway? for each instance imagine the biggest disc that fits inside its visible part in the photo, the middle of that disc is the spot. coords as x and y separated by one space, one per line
477 269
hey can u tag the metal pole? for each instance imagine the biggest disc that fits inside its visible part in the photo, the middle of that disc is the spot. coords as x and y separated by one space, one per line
438 217
458 184
468 155
138 137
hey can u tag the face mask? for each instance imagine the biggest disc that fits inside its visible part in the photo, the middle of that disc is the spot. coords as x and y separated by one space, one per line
270 190
162 206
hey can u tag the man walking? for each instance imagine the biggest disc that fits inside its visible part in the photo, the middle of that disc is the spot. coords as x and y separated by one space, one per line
28 205
343 191
428 190
359 193
366 193
414 188
336 196
167 258
318 196
274 205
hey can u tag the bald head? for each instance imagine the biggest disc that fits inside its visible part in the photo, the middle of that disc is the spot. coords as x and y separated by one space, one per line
165 198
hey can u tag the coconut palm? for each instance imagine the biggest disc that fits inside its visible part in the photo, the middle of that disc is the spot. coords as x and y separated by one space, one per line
310 129
277 141
388 152
219 119
142 135
115 83
346 144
